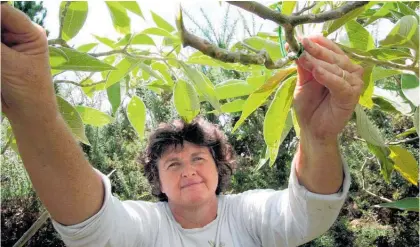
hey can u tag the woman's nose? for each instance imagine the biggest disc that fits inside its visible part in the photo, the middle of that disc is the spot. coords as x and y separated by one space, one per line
188 170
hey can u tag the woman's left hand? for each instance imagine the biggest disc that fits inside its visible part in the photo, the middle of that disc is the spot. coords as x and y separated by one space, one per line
327 91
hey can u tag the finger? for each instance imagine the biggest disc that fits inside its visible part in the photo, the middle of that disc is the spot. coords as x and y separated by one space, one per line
15 21
329 56
310 63
324 42
338 87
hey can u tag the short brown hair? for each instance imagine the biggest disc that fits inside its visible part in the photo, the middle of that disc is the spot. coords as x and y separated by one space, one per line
199 132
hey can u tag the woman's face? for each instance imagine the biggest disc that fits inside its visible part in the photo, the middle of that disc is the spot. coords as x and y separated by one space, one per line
188 174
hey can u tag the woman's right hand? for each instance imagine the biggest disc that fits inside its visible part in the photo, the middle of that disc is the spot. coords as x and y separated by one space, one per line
26 83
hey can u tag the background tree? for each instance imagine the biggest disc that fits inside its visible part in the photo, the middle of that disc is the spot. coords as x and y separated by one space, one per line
156 75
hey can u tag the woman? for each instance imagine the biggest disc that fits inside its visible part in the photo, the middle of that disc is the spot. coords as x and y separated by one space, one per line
187 165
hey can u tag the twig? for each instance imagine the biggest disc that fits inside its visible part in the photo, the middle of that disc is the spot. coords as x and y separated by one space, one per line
304 9
37 225
379 62
107 53
289 22
363 182
33 229
403 141
58 41
63 15
79 84
6 146
262 58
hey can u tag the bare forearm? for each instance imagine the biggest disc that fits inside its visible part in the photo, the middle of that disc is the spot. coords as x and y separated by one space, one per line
319 166
62 177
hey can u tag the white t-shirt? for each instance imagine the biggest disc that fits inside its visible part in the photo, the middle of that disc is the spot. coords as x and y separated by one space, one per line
288 217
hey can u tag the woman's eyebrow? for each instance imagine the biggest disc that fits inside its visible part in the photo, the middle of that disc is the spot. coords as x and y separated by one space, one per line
171 160
198 153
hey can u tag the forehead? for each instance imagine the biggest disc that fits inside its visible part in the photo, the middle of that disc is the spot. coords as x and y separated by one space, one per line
187 149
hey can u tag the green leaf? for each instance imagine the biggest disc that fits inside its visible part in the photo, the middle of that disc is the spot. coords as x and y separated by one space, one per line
199 80
386 54
393 97
123 68
416 120
86 47
263 160
93 116
384 105
277 114
257 98
136 114
57 56
233 106
186 100
105 41
367 129
287 7
151 72
409 204
256 81
295 122
366 97
411 88
382 12
90 90
132 6
158 32
288 126
380 73
358 36
74 19
79 61
233 88
336 24
405 164
387 165
162 23
73 120
402 33
164 71
119 17
142 39
407 133
271 47
407 10
114 96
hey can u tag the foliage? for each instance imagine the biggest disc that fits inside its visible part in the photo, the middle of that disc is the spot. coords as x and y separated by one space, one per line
148 78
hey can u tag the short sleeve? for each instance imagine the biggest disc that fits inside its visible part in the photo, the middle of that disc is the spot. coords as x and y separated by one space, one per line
117 223
289 217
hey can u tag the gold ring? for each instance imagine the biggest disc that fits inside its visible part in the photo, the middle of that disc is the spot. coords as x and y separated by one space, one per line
344 75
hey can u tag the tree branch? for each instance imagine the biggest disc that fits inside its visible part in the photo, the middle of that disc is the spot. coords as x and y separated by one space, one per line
363 182
379 62
62 16
304 9
403 141
38 224
6 146
79 84
290 22
262 57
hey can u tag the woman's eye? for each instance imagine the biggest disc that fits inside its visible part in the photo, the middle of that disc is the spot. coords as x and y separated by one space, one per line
173 165
197 158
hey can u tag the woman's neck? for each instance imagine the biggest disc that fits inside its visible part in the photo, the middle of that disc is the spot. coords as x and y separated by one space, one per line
195 216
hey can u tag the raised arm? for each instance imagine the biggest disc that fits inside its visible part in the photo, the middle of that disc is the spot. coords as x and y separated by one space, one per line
66 183
326 94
